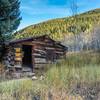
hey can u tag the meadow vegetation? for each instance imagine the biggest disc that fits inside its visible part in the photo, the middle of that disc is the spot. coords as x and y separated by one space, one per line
76 77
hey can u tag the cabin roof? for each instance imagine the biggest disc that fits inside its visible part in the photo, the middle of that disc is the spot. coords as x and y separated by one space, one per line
34 38
30 39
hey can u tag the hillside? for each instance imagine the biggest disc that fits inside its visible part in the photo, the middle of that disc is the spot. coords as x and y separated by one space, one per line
57 28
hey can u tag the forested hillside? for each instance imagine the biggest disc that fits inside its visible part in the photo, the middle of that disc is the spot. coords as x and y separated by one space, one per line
57 27
68 30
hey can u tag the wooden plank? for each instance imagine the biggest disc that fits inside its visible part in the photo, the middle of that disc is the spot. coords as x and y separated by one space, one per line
18 54
18 59
17 50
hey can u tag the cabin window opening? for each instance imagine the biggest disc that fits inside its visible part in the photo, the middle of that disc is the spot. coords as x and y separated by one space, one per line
27 57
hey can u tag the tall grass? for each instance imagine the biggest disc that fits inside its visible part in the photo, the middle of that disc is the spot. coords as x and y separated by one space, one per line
15 89
78 67
83 58
66 76
79 70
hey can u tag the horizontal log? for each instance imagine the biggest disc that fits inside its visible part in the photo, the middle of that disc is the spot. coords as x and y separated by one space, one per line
36 54
59 52
47 48
54 48
18 66
50 48
39 56
40 53
41 43
39 50
47 44
40 60
44 54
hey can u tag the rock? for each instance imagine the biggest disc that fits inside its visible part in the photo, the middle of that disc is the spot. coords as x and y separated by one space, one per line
31 74
34 78
41 77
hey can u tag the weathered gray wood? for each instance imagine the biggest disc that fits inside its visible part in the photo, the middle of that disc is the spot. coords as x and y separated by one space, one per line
44 50
40 60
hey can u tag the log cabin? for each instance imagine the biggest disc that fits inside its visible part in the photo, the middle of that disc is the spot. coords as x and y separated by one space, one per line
34 52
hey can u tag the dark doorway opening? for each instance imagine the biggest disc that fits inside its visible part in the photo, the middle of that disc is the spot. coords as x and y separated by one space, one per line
27 57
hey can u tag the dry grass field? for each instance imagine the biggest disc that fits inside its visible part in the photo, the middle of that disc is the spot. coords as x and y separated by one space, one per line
76 78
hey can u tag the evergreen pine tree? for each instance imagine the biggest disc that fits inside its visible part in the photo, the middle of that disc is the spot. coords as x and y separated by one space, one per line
9 19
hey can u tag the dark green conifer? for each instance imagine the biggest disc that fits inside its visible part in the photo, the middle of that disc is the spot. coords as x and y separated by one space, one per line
9 19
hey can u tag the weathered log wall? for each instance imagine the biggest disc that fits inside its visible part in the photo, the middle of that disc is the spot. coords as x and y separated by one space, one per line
44 51
9 57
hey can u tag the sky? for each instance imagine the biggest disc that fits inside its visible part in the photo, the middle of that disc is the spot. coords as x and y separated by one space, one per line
36 11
